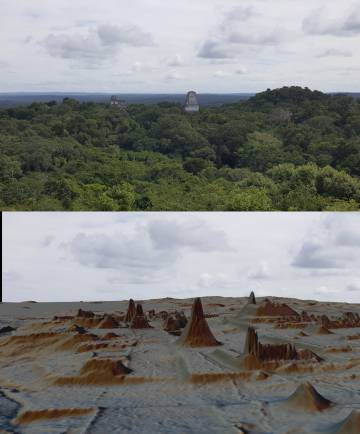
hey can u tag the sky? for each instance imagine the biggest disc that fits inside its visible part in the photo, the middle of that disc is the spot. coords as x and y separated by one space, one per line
159 46
115 256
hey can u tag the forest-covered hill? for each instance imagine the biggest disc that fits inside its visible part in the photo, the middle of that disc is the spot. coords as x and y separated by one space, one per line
283 149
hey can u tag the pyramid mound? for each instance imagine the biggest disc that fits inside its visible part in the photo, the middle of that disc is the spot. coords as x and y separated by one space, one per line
197 332
98 366
131 311
139 321
351 425
307 398
51 413
171 325
85 314
267 352
268 308
7 329
273 352
109 322
302 333
76 328
175 322
252 299
109 335
324 331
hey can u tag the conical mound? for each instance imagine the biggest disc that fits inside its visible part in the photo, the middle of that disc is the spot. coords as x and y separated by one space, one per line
109 322
85 314
197 332
139 309
302 333
252 299
324 331
251 342
351 425
269 308
76 328
307 398
130 311
139 321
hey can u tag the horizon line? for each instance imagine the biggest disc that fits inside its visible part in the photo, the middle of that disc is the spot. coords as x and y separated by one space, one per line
158 93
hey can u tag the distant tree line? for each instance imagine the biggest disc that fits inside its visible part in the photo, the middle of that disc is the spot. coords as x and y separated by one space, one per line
283 149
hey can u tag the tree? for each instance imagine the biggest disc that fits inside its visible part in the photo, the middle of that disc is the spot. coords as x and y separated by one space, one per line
10 168
124 195
252 199
338 184
260 152
63 189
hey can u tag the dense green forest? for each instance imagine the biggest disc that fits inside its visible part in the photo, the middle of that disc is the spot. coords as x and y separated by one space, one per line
283 149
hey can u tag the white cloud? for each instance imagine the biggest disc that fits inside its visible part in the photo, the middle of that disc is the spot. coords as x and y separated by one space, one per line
8 277
241 70
325 290
353 287
261 271
103 41
151 255
334 52
173 76
240 13
221 74
195 233
332 244
320 22
177 60
215 50
217 282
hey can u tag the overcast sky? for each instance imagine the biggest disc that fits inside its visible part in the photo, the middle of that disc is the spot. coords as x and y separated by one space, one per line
172 46
113 256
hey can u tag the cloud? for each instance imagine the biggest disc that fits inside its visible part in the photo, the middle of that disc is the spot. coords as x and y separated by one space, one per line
332 243
113 35
214 50
318 23
216 281
266 37
240 13
334 52
177 60
48 240
10 276
173 76
97 44
348 237
241 70
221 74
4 65
325 290
312 255
194 234
234 32
28 39
143 277
32 14
353 287
261 271
153 247
117 251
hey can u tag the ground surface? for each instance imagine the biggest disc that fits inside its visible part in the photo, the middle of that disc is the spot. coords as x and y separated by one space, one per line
50 384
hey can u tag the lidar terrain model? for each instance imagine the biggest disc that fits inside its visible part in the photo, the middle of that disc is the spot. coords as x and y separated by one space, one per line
210 365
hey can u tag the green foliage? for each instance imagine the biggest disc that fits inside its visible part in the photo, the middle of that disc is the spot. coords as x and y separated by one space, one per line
284 149
252 199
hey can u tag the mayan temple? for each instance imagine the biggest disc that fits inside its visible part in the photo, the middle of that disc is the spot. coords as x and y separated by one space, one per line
191 103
